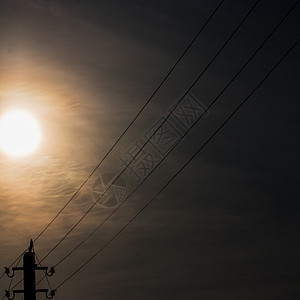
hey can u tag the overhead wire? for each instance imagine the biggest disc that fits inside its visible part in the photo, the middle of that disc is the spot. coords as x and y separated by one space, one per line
135 118
12 279
20 281
164 186
129 126
183 167
181 138
171 111
49 285
20 256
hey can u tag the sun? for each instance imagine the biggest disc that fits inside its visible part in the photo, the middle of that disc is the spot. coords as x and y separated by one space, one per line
19 133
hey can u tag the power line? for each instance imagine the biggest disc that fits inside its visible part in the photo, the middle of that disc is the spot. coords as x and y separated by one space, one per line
184 166
29 276
39 263
128 127
193 84
20 281
20 256
12 279
49 285
134 119
210 105
45 276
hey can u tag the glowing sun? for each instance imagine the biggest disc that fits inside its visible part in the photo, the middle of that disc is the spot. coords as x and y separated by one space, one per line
19 133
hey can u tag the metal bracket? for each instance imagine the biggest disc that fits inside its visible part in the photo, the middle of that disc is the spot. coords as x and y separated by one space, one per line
52 271
7 271
7 294
14 292
48 296
49 274
51 295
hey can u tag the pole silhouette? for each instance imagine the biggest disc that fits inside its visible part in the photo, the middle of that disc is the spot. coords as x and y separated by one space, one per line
29 268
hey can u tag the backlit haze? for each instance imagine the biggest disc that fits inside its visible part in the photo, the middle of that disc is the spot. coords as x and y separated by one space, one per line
228 226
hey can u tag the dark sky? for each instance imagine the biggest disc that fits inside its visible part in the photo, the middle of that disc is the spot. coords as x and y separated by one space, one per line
228 226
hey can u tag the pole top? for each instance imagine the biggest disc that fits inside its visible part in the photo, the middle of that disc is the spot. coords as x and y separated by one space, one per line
30 246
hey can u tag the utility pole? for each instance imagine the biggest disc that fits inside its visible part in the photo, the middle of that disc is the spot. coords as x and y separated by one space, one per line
29 268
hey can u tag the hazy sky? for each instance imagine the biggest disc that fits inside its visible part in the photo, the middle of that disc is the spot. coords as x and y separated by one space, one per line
228 226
